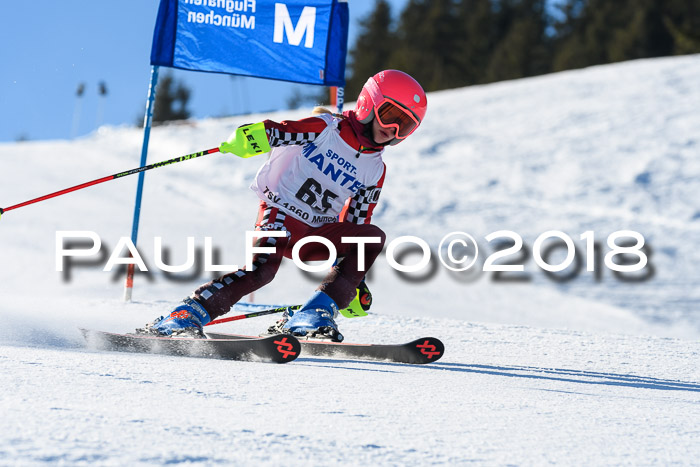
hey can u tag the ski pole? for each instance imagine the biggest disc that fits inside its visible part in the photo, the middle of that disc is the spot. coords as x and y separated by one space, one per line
111 177
254 314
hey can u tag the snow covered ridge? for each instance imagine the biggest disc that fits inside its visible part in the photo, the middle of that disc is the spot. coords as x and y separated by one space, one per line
602 149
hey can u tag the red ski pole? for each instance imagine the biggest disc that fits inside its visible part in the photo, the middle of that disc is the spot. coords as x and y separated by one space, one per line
110 177
254 314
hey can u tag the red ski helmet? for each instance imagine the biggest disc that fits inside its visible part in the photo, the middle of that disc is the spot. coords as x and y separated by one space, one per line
395 99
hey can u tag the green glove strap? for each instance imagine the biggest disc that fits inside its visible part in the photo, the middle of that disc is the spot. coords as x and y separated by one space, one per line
247 141
356 309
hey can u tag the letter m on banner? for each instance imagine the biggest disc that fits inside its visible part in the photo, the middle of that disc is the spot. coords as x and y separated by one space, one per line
305 26
303 41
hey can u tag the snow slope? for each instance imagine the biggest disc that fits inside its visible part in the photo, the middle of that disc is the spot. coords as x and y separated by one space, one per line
501 395
586 371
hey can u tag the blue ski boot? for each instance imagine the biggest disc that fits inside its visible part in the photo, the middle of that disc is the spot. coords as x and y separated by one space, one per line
186 320
315 320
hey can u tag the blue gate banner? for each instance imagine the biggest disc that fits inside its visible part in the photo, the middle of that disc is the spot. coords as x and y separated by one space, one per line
303 41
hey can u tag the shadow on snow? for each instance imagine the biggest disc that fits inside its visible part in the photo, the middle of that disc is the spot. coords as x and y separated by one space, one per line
538 373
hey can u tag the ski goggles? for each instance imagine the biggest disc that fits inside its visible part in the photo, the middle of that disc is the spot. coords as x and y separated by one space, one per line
391 114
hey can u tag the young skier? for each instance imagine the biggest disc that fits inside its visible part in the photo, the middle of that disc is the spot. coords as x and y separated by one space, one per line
323 178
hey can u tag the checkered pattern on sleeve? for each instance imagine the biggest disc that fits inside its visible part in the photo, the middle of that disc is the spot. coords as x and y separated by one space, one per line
358 211
359 208
297 132
280 138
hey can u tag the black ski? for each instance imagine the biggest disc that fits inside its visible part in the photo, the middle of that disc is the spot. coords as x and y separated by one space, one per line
280 348
419 351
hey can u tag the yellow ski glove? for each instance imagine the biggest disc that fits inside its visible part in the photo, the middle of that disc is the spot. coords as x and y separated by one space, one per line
360 304
247 141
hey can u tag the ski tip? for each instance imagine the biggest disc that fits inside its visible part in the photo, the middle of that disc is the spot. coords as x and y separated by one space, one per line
431 348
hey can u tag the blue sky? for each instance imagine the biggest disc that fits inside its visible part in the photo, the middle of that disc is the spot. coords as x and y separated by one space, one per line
49 47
